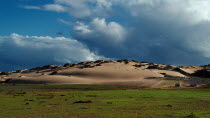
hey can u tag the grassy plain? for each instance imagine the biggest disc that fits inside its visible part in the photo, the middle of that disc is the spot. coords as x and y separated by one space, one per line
101 101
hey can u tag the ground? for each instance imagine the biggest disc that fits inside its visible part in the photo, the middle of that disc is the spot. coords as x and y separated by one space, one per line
101 101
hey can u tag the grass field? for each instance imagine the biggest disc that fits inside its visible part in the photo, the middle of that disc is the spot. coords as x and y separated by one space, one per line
96 101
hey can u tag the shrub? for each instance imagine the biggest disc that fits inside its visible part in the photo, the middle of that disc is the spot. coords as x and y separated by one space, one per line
88 101
67 65
202 73
54 72
98 65
120 61
123 60
177 85
4 73
144 62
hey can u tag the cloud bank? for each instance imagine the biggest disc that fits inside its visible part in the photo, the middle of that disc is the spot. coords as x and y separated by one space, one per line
19 51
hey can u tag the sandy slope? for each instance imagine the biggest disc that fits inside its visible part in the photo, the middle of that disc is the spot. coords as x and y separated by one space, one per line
169 73
191 69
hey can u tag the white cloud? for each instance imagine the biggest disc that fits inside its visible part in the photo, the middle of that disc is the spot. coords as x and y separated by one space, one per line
188 11
48 7
99 29
82 29
78 8
32 7
32 51
65 22
55 7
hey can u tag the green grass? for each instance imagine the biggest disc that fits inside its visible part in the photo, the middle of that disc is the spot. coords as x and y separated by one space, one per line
96 101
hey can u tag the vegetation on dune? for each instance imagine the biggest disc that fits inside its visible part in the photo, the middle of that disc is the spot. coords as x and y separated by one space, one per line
202 73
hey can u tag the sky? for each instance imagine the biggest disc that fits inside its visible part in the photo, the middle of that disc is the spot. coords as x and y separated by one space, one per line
40 32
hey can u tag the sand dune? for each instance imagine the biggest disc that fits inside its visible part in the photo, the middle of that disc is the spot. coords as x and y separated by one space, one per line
99 72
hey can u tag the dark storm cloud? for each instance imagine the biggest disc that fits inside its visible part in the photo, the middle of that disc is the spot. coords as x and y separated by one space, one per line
171 32
162 31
